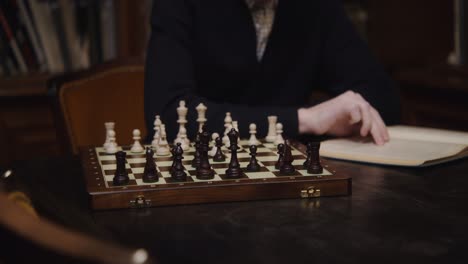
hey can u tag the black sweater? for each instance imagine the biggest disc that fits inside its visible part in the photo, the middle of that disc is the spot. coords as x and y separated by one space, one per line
205 51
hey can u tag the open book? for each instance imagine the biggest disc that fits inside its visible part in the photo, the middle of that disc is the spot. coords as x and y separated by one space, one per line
408 146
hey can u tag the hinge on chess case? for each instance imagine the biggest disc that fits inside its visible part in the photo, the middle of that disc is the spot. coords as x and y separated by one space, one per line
139 202
310 192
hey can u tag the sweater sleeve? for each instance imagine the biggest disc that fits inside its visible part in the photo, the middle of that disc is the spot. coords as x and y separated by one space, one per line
347 64
169 78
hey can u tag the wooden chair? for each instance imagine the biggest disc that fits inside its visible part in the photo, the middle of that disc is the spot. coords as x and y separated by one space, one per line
86 100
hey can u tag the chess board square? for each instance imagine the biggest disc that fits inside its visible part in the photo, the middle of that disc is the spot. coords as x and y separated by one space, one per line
112 171
110 184
216 178
159 182
164 163
140 175
170 180
163 158
135 160
263 150
260 175
137 165
267 158
305 173
131 155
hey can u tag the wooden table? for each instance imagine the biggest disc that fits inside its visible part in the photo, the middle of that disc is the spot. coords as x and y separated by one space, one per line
395 215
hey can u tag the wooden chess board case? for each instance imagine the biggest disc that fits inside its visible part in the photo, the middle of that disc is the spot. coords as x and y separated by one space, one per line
105 196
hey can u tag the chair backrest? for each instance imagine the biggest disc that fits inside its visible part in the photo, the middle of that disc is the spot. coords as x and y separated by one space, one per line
88 101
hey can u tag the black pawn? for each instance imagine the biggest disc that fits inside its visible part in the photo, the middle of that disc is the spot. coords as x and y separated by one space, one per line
309 156
253 164
150 173
177 170
219 156
196 156
287 168
204 170
280 152
315 167
234 171
121 174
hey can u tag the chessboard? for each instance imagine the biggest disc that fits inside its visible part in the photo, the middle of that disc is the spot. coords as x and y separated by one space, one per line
268 183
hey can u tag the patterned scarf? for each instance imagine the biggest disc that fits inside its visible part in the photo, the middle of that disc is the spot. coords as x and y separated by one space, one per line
263 14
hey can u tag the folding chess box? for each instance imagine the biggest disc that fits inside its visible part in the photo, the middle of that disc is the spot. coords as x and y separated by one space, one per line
99 168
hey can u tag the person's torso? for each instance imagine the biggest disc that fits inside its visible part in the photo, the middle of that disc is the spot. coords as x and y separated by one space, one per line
225 59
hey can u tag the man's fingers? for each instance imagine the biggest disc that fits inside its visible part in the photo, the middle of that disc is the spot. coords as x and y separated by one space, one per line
367 119
378 119
355 115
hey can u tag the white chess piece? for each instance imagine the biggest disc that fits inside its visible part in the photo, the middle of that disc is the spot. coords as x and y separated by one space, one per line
214 136
253 131
136 147
157 134
235 125
279 134
108 126
184 142
227 122
182 120
226 141
182 138
112 146
201 109
271 136
163 146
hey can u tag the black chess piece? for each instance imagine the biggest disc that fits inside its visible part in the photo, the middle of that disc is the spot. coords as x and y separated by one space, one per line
287 168
219 155
204 170
196 155
121 174
315 167
177 170
309 156
173 149
253 164
280 156
234 170
150 174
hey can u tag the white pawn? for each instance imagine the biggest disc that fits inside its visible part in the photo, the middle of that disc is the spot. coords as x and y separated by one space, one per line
182 139
184 142
253 139
279 134
271 136
108 126
112 146
136 147
235 125
214 136
163 146
157 134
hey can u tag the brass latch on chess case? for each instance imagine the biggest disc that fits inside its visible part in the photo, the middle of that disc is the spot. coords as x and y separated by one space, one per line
140 202
310 192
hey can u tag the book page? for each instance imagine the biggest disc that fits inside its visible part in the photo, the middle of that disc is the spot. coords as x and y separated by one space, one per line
428 134
402 152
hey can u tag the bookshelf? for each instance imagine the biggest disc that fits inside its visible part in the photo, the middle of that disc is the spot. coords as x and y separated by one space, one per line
27 127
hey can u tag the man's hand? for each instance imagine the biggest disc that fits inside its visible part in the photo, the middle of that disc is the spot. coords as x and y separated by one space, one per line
344 115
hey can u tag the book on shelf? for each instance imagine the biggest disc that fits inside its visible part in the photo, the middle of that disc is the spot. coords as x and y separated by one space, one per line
408 146
9 36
